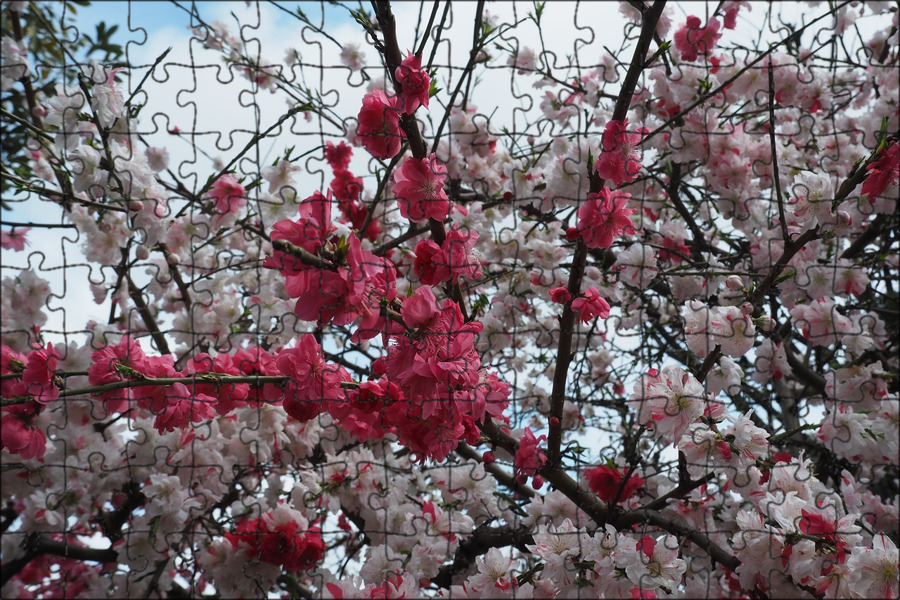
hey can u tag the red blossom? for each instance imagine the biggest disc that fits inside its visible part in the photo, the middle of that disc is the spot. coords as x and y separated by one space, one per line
604 217
693 41
883 172
620 160
379 124
529 456
419 189
338 157
591 305
415 83
312 380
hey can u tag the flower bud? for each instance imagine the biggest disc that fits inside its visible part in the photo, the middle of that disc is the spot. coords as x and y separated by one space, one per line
844 218
734 283
537 482
747 308
142 253
488 458
766 323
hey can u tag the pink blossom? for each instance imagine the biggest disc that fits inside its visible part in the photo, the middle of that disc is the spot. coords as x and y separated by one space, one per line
590 305
883 172
821 322
620 160
874 571
280 537
429 264
183 407
228 395
228 196
18 432
606 481
338 157
415 83
312 380
346 187
37 378
706 327
692 40
310 232
419 189
363 412
669 400
604 217
529 457
257 361
731 9
14 239
560 295
11 363
379 124
453 259
113 364
420 309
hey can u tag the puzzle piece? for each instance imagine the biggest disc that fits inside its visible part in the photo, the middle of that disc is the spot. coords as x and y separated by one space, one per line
445 300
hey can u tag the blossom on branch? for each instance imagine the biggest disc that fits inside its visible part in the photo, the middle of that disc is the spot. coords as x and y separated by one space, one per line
693 41
603 217
620 160
379 124
415 83
419 189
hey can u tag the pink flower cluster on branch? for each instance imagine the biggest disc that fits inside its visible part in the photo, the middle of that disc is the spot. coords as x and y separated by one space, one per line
379 124
693 41
419 189
602 218
620 160
454 258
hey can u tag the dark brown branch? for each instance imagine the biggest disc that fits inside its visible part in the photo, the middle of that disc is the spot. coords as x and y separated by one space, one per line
567 321
502 477
135 294
37 546
482 539
682 529
176 276
774 150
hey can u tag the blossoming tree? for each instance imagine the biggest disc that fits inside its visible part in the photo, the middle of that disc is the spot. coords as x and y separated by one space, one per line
640 340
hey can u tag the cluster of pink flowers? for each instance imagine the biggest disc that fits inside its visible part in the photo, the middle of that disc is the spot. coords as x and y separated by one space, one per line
419 189
347 188
454 258
606 482
379 124
352 283
439 373
280 537
620 160
530 459
693 41
27 376
603 218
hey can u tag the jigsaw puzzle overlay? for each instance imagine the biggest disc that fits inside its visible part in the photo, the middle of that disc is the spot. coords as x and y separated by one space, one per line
518 300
